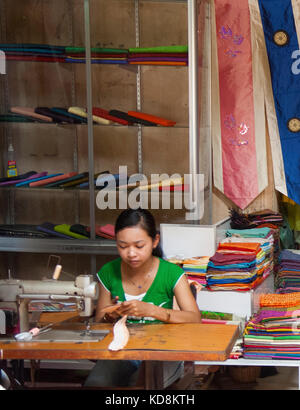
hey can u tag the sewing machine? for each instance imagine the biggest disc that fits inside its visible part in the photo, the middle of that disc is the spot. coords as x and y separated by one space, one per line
16 294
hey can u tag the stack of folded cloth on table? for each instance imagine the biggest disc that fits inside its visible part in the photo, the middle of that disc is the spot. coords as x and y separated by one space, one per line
162 55
239 266
288 272
195 269
273 333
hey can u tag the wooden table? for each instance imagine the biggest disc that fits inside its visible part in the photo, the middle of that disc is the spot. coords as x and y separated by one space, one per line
154 342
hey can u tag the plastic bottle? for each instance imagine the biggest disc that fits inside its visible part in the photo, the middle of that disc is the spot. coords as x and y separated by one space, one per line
12 170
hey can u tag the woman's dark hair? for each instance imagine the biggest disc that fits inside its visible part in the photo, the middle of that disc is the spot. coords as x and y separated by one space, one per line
139 217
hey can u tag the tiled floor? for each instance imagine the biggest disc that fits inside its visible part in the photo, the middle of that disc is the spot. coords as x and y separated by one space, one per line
286 378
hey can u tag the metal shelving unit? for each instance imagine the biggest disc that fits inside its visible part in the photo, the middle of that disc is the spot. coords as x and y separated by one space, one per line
94 246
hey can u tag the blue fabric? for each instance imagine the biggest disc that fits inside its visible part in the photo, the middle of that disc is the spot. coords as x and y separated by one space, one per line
278 15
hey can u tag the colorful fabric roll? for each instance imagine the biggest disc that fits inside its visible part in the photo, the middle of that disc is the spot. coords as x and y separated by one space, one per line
134 120
65 229
51 179
99 112
29 112
81 112
152 118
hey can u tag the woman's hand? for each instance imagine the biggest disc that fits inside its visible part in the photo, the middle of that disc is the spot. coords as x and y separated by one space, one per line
135 308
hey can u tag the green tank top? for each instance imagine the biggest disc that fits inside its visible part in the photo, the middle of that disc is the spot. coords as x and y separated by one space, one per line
160 293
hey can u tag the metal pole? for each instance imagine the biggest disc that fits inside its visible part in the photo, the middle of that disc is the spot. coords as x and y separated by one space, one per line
193 101
88 72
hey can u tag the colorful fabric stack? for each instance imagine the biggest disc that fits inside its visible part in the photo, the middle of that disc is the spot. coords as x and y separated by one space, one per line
262 219
239 266
99 55
273 332
288 273
163 55
196 268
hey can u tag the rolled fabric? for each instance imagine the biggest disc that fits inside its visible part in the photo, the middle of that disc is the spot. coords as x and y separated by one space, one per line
18 177
99 112
46 177
130 118
71 49
82 113
72 178
160 49
65 229
175 63
81 180
48 228
52 179
57 117
158 120
14 118
30 113
77 119
16 181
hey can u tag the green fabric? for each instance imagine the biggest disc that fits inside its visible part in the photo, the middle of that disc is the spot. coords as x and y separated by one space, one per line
160 49
286 235
96 50
65 229
160 292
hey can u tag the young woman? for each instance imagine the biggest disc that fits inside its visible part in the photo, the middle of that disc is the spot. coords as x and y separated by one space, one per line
144 286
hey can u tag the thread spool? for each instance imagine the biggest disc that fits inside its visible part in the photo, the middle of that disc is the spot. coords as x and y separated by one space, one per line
56 272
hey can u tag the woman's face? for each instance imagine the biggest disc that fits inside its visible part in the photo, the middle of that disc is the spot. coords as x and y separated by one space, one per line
135 246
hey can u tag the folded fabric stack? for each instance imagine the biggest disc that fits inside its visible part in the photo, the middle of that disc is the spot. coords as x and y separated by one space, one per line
263 236
79 115
195 269
164 55
273 332
262 219
34 52
99 55
239 266
288 272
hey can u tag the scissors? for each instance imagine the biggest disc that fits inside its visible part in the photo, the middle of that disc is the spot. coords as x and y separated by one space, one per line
27 336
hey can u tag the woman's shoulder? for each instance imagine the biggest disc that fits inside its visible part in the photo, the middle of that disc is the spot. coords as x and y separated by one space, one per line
170 267
111 266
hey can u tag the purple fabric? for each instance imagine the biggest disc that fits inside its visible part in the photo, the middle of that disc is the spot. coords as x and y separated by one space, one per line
16 181
235 258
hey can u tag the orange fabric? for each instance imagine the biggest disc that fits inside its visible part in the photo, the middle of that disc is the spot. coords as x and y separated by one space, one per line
280 300
240 246
158 63
152 118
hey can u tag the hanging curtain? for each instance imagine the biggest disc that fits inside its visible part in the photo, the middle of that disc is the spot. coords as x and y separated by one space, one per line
238 119
280 27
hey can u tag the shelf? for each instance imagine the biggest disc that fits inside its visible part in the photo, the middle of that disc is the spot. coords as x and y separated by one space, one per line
62 246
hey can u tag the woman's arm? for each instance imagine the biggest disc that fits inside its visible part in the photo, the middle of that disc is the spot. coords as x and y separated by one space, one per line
104 299
188 313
